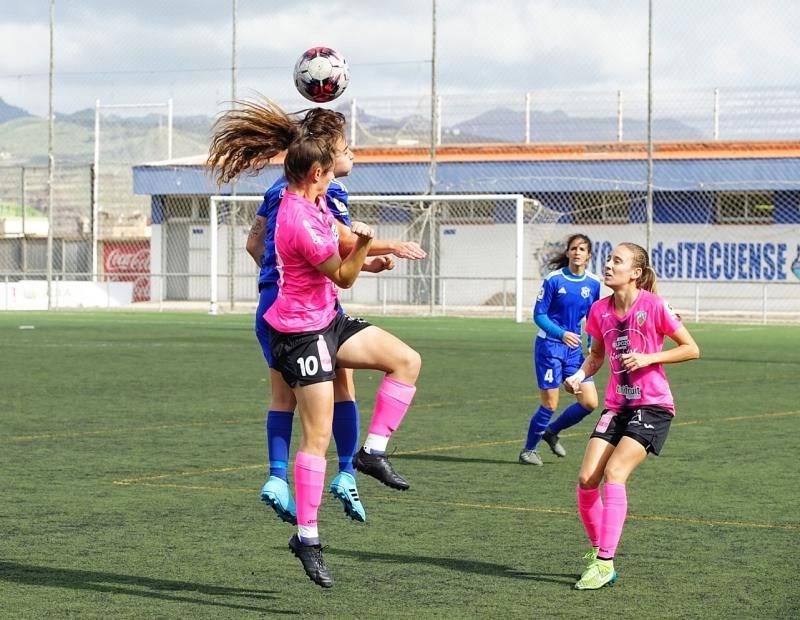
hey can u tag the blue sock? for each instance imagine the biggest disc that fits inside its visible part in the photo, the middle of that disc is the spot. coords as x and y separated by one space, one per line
571 416
539 422
345 433
279 438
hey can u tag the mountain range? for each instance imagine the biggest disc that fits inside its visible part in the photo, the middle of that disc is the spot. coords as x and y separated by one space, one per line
128 140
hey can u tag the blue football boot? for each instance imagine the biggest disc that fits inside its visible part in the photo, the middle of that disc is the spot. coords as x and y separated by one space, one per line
276 494
344 489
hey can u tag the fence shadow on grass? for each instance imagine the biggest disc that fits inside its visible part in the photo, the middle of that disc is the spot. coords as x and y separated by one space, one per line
132 585
464 566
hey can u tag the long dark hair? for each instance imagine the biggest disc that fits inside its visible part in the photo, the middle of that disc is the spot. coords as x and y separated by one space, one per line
248 136
559 260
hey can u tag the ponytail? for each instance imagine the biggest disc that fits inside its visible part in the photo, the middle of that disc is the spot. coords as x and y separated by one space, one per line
248 137
647 280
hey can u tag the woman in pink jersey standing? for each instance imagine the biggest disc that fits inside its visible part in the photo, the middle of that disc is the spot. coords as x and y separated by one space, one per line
309 338
629 327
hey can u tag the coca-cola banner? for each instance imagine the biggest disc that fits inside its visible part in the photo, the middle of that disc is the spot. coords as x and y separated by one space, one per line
129 261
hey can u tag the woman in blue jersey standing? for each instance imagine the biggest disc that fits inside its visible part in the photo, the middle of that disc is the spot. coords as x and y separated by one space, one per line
276 492
563 302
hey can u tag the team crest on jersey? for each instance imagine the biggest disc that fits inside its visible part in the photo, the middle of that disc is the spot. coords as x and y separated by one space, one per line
540 296
641 317
340 207
586 292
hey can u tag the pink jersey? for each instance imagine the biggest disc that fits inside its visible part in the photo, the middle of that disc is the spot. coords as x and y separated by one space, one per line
305 236
641 330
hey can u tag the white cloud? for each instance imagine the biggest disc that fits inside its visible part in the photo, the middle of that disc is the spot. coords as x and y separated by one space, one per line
152 50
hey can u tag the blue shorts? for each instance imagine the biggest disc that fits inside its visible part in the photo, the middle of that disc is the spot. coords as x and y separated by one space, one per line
554 362
267 295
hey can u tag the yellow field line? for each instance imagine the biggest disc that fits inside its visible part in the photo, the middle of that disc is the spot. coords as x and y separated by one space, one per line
507 508
479 444
253 420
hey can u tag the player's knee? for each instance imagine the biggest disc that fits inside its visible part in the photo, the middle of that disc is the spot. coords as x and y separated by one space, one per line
588 480
550 401
615 473
317 442
408 364
590 404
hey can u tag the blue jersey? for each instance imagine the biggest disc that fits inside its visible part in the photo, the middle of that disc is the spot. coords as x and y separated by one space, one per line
337 200
566 298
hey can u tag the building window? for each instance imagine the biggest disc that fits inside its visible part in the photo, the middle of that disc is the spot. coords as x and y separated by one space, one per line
744 208
602 208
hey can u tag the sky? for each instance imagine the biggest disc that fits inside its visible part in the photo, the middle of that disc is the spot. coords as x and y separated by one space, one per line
147 51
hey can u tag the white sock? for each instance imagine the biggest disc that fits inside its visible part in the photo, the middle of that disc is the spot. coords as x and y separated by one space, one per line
308 532
375 443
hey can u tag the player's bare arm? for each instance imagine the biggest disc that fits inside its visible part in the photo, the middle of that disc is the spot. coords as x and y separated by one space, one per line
686 350
255 239
378 264
343 273
592 363
409 250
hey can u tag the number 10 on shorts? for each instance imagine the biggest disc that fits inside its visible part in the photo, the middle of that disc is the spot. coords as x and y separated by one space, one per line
309 366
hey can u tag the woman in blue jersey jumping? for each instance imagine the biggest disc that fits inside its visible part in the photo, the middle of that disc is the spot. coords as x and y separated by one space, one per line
563 302
276 492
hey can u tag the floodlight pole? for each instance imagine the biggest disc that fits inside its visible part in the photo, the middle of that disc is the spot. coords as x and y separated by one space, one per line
95 188
232 219
434 97
51 162
649 201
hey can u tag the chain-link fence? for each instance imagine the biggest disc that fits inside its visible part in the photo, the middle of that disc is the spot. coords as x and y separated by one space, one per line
528 97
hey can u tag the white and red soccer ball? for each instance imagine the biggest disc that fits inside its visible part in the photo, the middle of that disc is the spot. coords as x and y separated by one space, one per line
321 74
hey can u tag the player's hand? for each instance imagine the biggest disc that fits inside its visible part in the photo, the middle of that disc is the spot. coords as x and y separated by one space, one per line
571 339
363 231
408 249
378 264
573 383
635 361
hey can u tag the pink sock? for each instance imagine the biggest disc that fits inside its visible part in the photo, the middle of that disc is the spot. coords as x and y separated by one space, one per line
615 508
309 479
590 508
391 405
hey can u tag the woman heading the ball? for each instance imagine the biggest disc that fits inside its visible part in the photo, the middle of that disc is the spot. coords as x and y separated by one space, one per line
629 328
309 337
261 246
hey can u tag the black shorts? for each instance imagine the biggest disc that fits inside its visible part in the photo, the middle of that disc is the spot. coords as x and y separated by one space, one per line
310 357
648 425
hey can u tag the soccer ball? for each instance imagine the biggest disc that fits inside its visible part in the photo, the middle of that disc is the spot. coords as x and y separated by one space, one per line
321 74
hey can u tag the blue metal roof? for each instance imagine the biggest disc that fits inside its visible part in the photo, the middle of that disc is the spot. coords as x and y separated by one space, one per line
745 174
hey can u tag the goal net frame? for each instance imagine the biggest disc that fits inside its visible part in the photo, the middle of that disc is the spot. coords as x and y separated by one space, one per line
425 201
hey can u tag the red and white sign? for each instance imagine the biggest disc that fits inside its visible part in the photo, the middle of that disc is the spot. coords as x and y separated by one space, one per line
129 261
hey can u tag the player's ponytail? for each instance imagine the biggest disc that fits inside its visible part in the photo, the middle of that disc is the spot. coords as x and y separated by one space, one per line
248 136
647 280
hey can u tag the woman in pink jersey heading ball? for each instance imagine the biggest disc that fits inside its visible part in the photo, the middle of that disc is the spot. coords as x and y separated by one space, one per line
309 337
629 328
